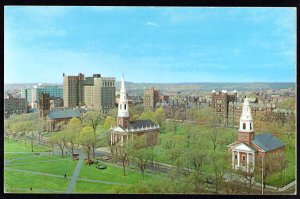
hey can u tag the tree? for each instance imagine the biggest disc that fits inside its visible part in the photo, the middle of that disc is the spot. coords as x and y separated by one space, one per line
73 129
51 143
190 133
214 136
219 163
86 138
108 122
148 115
32 129
123 152
247 178
159 115
141 154
60 139
8 129
93 119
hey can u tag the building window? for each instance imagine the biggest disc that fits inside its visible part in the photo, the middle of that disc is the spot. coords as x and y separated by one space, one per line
250 126
244 158
235 157
125 106
244 125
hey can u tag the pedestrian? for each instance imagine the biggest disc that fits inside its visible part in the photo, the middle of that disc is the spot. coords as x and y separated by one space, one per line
30 188
65 175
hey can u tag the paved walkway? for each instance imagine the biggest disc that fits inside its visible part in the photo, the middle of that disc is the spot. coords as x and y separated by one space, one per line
10 163
75 174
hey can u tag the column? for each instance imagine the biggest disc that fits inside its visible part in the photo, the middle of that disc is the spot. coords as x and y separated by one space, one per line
253 157
247 166
233 166
238 159
110 138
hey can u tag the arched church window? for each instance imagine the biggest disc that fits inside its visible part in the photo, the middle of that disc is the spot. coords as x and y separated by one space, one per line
244 125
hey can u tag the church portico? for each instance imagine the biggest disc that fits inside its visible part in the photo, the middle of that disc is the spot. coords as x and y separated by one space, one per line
243 157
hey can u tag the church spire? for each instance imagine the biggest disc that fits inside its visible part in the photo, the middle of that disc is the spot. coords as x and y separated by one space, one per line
246 120
123 112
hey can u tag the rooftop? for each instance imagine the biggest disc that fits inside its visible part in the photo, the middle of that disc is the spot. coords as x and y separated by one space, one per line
267 142
66 113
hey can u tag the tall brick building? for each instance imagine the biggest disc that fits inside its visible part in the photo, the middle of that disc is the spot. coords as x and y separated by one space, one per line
14 106
96 92
151 97
220 102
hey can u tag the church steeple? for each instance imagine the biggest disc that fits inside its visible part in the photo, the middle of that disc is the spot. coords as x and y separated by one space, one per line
246 130
123 112
246 121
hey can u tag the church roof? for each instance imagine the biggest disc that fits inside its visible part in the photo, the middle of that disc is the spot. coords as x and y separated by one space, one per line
267 142
141 123
67 113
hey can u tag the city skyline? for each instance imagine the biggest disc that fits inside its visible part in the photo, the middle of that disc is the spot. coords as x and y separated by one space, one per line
150 44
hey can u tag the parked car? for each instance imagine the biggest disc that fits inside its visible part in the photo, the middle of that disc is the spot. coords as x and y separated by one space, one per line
105 158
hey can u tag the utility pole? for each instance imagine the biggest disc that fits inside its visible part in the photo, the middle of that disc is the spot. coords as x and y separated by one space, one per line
262 175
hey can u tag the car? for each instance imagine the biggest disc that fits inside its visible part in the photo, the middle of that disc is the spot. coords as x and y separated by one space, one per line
105 158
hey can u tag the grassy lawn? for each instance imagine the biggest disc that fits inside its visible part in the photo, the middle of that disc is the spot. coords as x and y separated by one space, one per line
19 146
11 156
52 165
93 187
21 182
111 174
278 179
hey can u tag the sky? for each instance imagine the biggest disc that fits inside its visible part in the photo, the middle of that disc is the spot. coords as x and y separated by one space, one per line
150 44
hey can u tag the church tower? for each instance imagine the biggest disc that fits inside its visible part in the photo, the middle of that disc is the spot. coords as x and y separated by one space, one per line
123 113
246 130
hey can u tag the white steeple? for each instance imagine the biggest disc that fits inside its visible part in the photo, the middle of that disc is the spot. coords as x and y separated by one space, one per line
246 121
123 102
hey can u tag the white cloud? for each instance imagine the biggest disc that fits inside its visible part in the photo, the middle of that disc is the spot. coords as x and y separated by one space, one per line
152 24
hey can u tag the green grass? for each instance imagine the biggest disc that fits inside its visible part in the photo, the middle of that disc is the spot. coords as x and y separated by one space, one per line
19 146
14 181
60 167
278 180
111 174
11 156
93 187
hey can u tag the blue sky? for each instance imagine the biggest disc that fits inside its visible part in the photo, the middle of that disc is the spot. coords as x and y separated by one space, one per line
150 44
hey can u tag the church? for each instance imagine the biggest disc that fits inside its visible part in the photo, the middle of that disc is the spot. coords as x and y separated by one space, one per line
249 148
126 129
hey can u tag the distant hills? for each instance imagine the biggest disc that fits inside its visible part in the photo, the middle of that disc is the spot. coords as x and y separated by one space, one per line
197 87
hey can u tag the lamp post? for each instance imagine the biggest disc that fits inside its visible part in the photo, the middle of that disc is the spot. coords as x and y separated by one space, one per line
262 175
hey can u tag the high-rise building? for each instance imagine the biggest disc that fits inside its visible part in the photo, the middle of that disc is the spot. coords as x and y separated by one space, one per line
14 106
96 92
32 95
151 97
27 94
220 101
